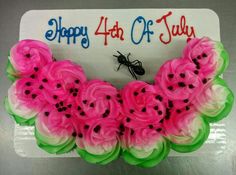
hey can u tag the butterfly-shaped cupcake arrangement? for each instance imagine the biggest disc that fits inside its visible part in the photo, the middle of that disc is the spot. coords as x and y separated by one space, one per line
140 122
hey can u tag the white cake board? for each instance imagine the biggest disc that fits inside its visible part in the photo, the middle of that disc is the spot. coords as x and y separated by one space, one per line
98 61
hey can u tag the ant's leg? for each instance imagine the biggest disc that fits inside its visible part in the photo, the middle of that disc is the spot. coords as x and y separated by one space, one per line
120 53
118 67
132 73
128 57
115 56
135 61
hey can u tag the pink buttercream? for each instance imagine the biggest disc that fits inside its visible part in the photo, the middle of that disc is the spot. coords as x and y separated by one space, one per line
144 109
97 109
58 123
141 136
28 92
61 80
142 102
98 99
178 81
29 56
179 121
202 51
97 132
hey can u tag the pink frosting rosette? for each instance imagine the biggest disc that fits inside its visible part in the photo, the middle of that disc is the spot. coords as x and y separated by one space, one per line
98 99
98 108
97 141
60 84
60 121
144 109
209 57
144 147
61 80
55 130
24 100
187 130
179 81
27 57
27 91
143 102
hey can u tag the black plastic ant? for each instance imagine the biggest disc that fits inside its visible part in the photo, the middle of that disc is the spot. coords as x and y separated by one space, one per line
135 67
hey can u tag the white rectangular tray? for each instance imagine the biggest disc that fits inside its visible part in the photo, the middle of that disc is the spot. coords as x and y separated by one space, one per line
98 61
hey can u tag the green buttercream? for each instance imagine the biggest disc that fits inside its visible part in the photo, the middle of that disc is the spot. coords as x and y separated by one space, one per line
228 103
196 142
159 153
10 72
43 143
20 120
223 57
99 159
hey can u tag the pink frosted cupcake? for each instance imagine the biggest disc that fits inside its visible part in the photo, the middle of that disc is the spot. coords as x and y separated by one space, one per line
24 101
179 81
60 83
61 80
98 108
55 131
216 100
27 58
144 110
187 130
209 57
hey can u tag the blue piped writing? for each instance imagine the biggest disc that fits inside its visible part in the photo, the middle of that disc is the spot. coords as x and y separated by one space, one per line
72 34
145 30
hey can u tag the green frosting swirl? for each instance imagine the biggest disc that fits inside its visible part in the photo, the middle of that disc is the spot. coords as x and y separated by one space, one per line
11 72
196 142
19 119
225 106
160 152
223 59
100 159
46 143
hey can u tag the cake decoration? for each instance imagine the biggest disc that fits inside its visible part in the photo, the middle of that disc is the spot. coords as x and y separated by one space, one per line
27 58
98 131
210 57
134 67
144 110
141 122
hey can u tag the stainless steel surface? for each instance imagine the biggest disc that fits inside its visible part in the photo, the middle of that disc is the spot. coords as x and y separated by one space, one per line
11 163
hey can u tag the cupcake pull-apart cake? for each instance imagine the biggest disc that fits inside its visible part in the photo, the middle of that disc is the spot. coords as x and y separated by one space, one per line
140 122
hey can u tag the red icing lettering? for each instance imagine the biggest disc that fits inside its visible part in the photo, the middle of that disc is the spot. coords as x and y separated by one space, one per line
114 32
181 29
167 28
105 33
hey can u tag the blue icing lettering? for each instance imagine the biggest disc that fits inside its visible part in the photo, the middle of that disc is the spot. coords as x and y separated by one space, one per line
72 34
145 30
